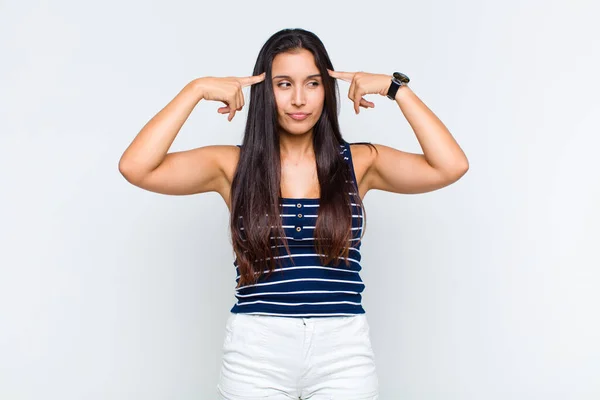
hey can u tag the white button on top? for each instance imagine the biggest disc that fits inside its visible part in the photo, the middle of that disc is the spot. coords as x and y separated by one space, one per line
299 205
298 229
299 215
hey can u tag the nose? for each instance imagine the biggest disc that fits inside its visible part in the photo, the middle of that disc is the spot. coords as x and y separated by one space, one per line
298 99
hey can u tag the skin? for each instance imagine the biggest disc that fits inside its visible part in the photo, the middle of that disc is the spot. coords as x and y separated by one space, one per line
298 88
147 163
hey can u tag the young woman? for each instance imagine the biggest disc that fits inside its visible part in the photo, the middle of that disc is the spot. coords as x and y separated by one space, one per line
294 188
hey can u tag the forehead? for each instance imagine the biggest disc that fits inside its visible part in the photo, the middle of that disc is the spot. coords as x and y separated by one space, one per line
299 62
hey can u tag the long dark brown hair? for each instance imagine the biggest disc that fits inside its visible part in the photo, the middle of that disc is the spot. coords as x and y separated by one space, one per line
256 187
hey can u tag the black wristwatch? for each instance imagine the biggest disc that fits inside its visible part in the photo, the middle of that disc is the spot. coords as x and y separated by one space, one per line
398 79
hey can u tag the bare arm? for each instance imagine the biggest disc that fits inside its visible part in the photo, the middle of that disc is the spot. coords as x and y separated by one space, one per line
145 163
187 172
391 170
442 163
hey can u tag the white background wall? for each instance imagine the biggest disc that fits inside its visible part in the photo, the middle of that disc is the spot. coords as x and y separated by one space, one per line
487 289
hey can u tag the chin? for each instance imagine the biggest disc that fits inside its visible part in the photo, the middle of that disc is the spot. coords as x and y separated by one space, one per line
297 130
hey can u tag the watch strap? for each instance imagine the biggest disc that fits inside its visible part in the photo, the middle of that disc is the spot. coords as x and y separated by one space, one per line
398 80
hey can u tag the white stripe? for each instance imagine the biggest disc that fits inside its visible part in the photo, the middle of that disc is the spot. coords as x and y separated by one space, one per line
300 280
283 226
281 245
307 255
298 304
311 215
301 239
287 237
307 205
316 215
303 315
309 267
296 292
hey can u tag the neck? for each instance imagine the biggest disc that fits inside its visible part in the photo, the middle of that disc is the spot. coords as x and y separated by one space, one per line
296 147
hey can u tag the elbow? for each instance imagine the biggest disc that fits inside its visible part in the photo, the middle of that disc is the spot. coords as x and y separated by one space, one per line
457 171
124 168
461 169
464 167
128 171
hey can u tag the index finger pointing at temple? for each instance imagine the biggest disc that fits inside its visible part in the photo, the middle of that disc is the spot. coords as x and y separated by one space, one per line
251 80
345 76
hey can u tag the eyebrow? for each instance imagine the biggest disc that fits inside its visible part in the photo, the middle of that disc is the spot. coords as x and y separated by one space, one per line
290 78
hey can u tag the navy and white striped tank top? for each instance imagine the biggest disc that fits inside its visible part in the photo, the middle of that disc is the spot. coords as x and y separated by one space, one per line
307 288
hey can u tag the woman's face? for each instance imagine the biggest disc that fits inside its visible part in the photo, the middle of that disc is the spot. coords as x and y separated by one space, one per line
298 90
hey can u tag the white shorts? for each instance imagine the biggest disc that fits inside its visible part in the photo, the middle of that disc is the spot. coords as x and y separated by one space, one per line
283 358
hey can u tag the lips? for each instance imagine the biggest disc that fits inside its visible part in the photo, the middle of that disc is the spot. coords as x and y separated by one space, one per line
299 116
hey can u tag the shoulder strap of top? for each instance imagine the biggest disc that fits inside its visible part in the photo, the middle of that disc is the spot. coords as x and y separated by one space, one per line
347 154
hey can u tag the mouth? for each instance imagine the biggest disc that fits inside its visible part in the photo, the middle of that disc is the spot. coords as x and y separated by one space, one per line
298 116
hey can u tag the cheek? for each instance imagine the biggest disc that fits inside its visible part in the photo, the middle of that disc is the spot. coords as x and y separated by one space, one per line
280 102
319 98
319 102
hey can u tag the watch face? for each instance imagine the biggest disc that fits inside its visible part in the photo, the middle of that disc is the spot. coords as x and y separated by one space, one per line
401 77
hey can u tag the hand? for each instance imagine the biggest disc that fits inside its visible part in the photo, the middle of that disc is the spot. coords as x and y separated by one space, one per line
362 83
228 91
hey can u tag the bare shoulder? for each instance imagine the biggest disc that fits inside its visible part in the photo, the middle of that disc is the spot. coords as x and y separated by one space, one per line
222 156
203 169
391 170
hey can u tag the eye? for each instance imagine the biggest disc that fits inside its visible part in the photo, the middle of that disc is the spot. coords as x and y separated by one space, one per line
315 83
282 83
